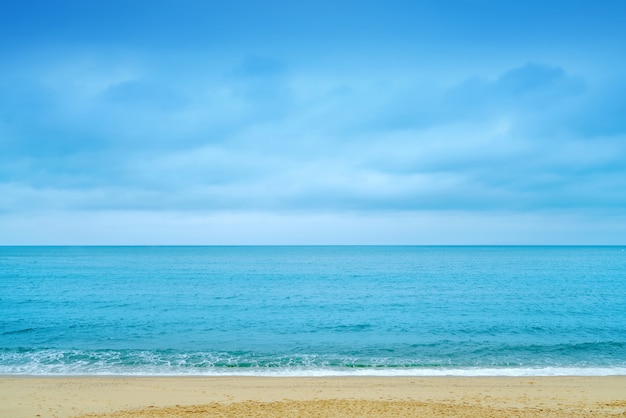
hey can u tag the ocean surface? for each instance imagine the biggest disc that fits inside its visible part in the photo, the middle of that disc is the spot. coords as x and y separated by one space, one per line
307 311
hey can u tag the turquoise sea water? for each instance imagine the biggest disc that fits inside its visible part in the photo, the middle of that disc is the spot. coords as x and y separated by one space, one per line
312 310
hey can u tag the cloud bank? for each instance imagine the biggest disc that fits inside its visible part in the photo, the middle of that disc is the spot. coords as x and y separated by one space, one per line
112 129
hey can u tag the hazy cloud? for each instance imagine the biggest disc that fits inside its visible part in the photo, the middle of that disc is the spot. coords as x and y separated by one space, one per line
331 115
484 144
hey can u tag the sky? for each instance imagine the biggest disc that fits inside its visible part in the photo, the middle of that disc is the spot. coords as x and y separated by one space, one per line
187 122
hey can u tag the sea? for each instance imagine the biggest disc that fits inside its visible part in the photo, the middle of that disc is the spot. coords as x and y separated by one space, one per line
313 310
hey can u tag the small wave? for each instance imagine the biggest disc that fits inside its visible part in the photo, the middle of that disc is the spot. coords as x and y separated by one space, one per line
19 331
174 363
348 328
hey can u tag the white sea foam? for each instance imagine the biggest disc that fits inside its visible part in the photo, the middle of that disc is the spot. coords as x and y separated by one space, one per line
51 362
109 370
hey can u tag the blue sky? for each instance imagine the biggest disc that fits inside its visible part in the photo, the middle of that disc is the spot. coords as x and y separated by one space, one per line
343 122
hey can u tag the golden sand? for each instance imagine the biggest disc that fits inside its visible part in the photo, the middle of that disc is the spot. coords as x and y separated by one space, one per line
312 397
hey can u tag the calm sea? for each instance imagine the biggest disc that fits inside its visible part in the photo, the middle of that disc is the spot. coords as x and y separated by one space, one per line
313 310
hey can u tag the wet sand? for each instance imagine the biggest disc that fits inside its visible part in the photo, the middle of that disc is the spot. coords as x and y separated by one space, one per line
312 397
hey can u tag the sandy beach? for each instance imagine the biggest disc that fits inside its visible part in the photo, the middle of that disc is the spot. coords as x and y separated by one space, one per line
312 397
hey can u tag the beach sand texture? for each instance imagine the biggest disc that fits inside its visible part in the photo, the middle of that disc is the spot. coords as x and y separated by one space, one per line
67 397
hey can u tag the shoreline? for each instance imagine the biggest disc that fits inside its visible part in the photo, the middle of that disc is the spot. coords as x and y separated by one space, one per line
333 396
338 371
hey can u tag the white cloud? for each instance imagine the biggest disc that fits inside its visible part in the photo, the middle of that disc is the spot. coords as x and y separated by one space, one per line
259 137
